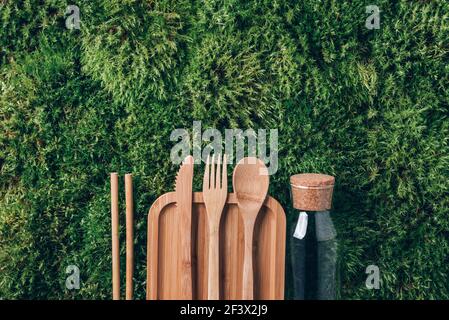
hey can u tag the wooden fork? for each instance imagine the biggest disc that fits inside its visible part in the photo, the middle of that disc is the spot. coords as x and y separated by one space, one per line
215 192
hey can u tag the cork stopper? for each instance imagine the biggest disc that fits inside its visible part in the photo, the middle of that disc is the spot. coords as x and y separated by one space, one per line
312 191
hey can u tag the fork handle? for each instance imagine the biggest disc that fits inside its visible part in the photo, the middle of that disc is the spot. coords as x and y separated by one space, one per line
213 285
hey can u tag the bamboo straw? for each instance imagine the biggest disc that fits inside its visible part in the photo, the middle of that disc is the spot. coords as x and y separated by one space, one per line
115 238
129 236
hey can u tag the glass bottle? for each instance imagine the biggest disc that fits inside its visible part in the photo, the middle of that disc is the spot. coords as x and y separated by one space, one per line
313 242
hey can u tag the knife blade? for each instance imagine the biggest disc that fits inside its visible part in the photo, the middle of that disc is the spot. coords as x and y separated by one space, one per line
183 190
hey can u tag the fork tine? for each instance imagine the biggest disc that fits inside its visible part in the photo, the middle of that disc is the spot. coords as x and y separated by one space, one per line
206 175
217 177
224 173
212 173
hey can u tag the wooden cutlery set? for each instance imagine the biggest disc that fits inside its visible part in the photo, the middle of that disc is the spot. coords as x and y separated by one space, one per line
212 244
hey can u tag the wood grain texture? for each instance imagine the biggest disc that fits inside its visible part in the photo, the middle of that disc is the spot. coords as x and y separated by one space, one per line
129 236
215 192
183 189
250 180
115 238
163 251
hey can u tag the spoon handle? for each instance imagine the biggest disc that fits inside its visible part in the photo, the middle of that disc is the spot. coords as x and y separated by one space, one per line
248 274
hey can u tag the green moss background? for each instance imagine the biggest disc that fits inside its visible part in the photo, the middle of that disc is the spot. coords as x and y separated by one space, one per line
368 106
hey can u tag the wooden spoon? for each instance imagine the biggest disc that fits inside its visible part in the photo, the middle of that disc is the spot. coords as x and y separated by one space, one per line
250 181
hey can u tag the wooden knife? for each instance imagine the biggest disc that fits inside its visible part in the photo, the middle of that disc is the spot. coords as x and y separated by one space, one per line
183 190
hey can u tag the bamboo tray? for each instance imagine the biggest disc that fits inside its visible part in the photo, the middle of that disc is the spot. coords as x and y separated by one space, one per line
163 265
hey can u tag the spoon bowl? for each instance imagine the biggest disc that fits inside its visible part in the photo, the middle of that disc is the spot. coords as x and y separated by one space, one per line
250 181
